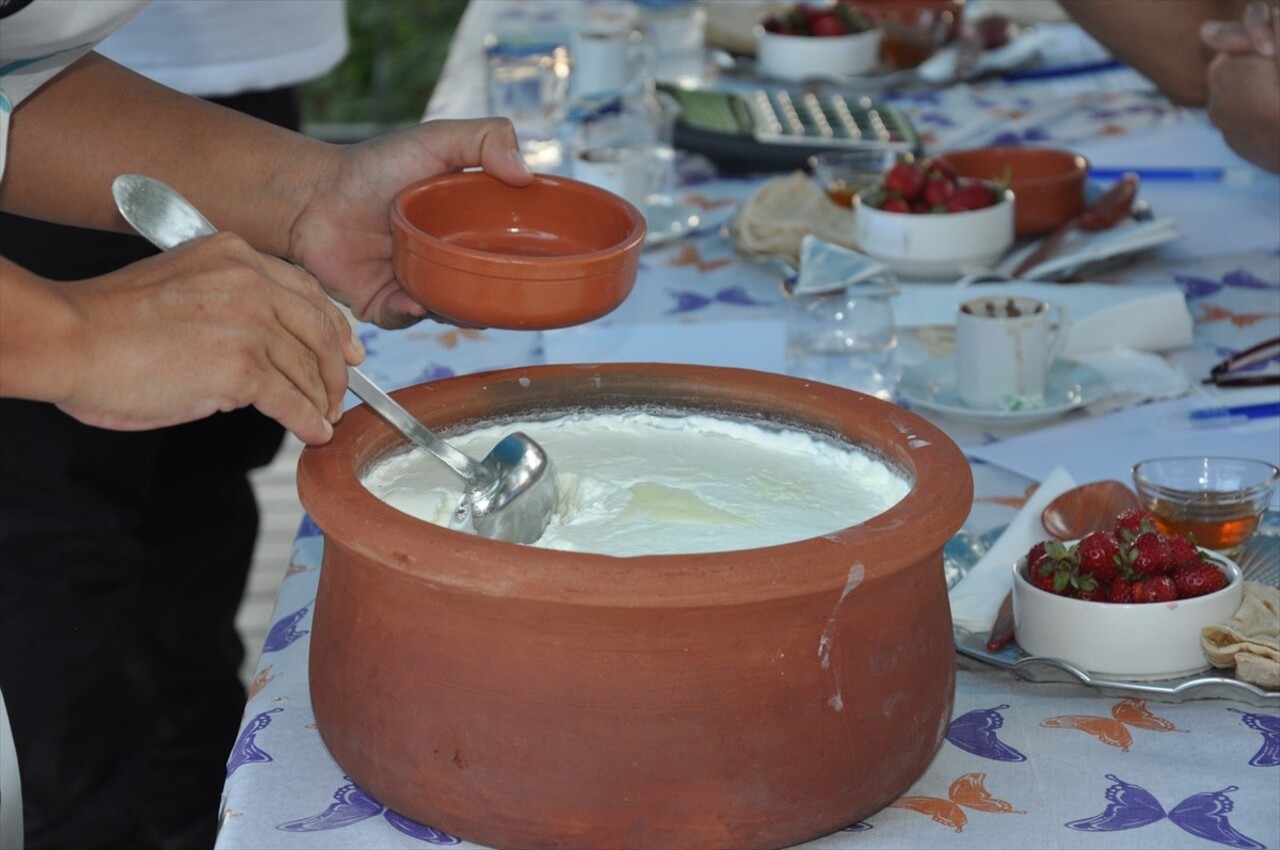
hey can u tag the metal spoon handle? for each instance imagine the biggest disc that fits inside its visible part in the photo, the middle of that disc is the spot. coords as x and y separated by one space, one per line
404 421
167 220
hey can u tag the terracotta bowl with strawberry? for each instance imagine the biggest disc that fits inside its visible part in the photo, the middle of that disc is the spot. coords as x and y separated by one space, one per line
1125 603
925 222
814 42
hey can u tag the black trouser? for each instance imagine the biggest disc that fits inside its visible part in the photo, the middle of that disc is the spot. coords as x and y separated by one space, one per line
123 559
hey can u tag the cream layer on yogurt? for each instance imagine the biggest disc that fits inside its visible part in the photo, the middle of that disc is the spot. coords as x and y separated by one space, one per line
636 483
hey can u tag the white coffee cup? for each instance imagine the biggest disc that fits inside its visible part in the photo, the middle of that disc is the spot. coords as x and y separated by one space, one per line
632 172
607 60
1005 345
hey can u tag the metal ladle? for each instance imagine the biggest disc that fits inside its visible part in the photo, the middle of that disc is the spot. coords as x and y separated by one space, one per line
508 496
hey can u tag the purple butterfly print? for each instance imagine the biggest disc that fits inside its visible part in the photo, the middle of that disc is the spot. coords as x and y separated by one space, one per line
1199 287
246 750
1203 815
688 302
1196 287
283 632
1269 727
975 732
351 805
420 831
367 338
308 527
433 372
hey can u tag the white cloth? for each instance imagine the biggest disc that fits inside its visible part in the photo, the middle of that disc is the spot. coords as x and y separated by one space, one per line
976 598
213 48
38 41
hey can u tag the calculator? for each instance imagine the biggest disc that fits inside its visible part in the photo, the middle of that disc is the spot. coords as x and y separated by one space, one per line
777 129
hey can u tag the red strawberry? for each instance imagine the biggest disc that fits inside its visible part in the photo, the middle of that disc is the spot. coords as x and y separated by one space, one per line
971 196
895 204
1149 554
1183 553
1034 553
826 25
937 190
1198 579
905 178
1052 575
1155 589
1095 592
938 167
1098 553
1121 592
1134 521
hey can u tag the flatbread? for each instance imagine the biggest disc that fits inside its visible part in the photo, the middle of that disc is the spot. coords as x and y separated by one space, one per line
777 216
1250 640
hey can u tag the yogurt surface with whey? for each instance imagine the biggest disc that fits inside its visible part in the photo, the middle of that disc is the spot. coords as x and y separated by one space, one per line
638 483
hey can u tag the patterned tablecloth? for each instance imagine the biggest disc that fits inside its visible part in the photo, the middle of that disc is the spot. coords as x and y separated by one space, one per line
1024 764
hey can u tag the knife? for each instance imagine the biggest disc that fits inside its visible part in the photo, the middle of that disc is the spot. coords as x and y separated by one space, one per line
1002 628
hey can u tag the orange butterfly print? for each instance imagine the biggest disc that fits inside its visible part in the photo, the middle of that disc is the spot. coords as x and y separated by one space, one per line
1113 731
704 203
689 255
968 792
1213 313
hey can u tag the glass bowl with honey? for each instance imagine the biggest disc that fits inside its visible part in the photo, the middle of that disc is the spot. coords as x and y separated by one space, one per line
1216 501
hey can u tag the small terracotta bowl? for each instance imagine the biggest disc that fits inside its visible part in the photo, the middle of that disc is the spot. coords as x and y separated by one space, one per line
1152 640
478 252
1049 183
939 246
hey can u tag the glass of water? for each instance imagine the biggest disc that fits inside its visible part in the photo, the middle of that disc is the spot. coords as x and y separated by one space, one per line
529 84
845 336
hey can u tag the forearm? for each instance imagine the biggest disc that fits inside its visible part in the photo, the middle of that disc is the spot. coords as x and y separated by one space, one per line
98 119
38 342
1158 38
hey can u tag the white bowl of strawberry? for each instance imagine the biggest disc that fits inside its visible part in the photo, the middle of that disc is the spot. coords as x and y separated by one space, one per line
924 222
1128 603
809 41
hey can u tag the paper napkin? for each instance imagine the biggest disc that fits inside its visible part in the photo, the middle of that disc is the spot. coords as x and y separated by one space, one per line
976 598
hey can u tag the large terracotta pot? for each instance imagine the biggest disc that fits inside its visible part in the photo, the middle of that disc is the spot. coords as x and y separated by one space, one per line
523 697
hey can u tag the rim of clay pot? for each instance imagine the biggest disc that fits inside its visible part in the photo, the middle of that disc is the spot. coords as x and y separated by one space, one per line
351 516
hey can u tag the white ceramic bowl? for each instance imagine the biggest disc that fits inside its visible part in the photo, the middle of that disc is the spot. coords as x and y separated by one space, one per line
1152 640
799 57
934 246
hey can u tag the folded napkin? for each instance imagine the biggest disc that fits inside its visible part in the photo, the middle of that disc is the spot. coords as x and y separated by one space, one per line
976 598
1133 377
1082 248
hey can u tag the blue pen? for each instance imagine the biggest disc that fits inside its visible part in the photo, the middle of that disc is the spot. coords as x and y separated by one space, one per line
1183 175
1052 71
1221 417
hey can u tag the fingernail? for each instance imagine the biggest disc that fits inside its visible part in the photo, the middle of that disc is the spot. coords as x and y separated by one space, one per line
514 153
358 345
1258 18
328 431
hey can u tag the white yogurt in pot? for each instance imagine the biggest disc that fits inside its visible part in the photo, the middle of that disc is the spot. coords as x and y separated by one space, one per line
638 483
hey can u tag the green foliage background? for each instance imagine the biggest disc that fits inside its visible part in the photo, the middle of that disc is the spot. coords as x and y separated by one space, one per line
398 48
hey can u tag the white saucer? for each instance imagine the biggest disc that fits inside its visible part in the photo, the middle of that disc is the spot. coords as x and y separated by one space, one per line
932 385
669 221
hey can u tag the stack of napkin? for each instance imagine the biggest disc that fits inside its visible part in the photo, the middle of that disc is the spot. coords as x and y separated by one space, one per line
976 598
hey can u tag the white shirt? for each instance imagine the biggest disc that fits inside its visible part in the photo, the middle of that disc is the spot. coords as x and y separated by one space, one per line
214 48
38 41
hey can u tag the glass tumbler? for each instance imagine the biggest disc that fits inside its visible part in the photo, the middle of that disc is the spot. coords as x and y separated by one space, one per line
844 336
529 84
